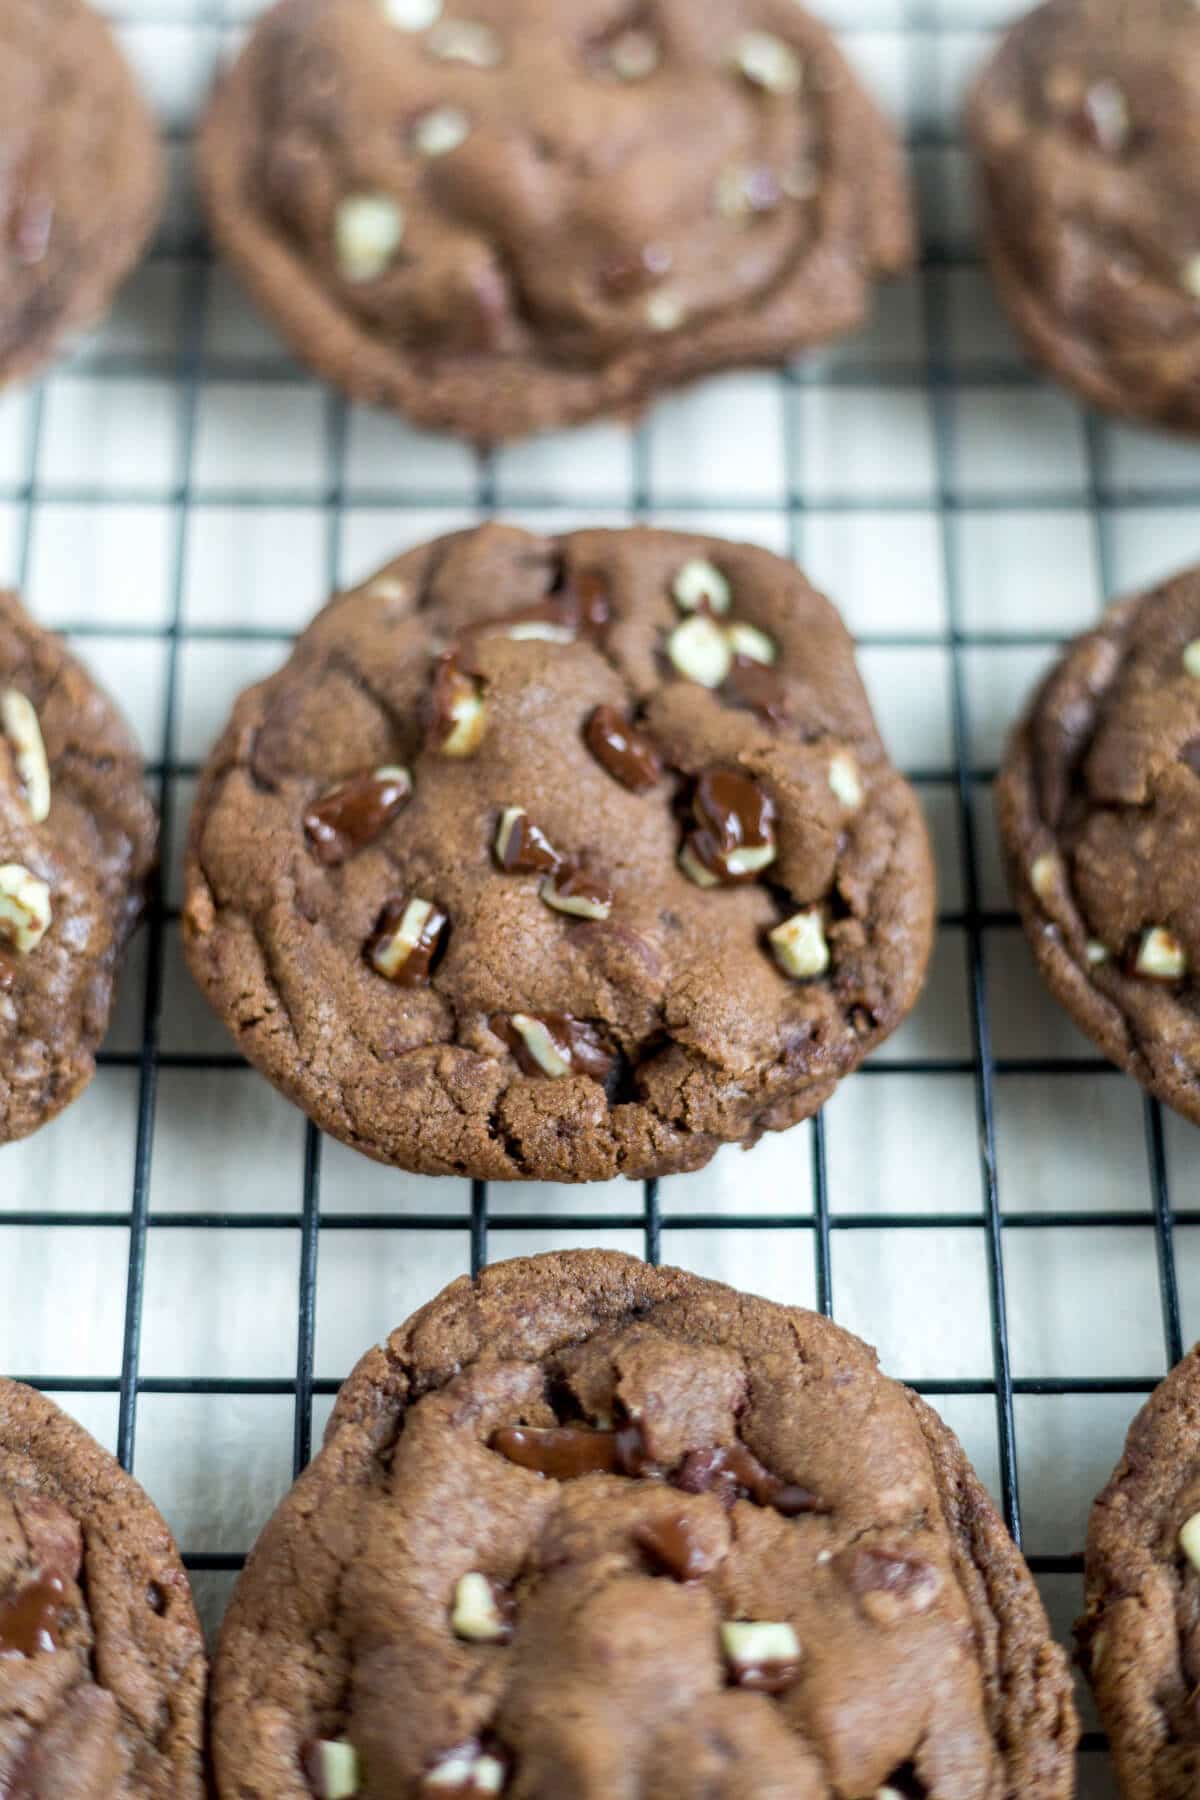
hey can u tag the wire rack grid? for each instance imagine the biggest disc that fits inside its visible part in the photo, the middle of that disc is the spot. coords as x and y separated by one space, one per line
987 1200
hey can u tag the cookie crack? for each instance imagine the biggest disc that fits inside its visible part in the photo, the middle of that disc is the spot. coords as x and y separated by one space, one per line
501 1133
345 665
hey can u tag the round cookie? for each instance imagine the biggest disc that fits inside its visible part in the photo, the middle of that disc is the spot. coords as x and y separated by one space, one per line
499 217
1099 805
77 846
83 181
102 1668
588 1527
1085 124
1138 1637
528 865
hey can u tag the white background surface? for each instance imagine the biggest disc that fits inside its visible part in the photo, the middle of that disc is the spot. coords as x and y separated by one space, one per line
179 477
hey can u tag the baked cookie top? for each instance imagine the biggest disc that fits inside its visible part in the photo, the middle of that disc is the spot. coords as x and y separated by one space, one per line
77 845
1138 1639
499 216
102 1669
1100 814
586 1527
560 858
83 174
1087 126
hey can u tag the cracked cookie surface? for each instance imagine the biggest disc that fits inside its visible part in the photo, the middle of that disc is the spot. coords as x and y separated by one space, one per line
102 1668
1099 806
83 175
499 217
77 845
523 868
1085 127
552 1518
1139 1640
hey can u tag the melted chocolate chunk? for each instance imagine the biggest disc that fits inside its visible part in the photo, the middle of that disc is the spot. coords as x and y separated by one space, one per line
670 1544
453 680
887 1571
1190 754
586 601
454 701
506 1606
892 1583
405 945
582 892
758 689
562 1452
29 1620
706 1472
733 1472
523 847
468 1771
546 619
353 814
627 753
793 1501
631 1451
770 1676
734 809
574 1041
578 604
735 826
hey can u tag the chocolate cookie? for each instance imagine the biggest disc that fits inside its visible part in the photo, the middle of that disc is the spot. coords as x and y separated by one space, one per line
1085 124
1139 1640
588 1528
82 175
1099 807
77 844
500 217
560 858
102 1668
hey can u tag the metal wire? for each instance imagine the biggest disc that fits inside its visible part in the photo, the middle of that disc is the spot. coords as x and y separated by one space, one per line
190 367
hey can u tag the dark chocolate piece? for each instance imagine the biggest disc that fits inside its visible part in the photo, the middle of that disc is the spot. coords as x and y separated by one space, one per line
627 753
356 812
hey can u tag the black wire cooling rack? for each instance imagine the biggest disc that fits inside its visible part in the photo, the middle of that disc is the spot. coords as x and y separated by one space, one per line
922 24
